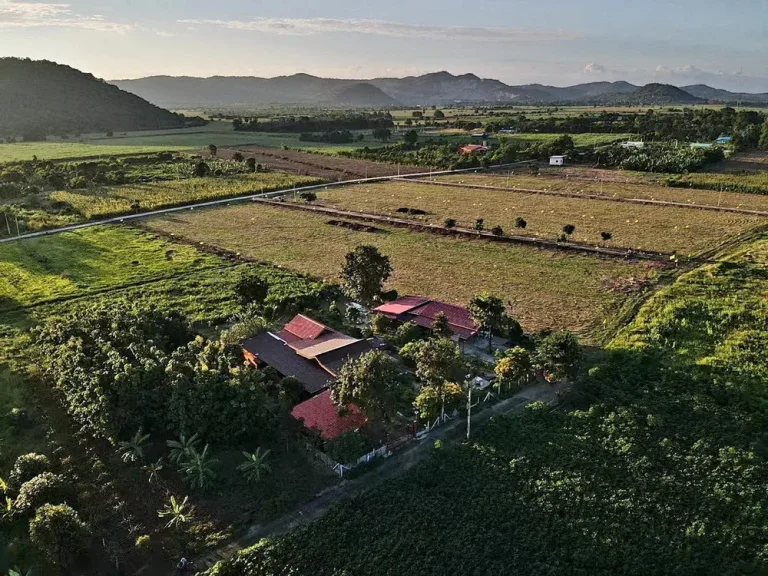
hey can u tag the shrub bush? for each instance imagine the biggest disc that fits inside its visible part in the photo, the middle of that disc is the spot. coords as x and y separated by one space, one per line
45 488
28 466
59 534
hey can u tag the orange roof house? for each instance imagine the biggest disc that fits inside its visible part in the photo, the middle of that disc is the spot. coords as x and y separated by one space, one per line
321 414
423 311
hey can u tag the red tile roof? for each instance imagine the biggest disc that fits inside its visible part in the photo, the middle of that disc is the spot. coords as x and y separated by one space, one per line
305 328
397 307
320 413
472 148
422 311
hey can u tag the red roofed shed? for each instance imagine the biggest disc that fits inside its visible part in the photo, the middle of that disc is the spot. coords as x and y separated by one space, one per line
305 328
320 413
422 311
471 148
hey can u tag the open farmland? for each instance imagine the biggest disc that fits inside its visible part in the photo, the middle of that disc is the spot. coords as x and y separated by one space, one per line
662 229
547 289
614 184
325 166
111 201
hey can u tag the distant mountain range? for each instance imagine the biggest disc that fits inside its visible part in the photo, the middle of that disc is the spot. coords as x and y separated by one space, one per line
439 88
39 98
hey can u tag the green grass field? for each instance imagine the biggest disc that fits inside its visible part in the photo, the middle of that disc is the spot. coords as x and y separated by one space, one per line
663 229
151 141
547 289
88 261
116 200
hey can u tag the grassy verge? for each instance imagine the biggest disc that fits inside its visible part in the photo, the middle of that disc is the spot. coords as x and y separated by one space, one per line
546 289
663 229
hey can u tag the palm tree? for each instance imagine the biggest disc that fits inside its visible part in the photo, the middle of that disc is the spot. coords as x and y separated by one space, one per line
254 465
181 448
198 469
133 449
176 511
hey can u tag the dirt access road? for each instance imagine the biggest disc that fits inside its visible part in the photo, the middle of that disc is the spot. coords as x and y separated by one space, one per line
331 168
452 432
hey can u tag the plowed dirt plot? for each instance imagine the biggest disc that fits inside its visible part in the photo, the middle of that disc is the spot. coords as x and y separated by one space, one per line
549 289
664 229
633 188
332 168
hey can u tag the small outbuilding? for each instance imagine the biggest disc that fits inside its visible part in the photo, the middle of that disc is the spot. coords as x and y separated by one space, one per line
473 148
557 160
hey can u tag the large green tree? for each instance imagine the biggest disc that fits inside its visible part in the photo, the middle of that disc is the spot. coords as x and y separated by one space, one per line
364 273
372 382
490 314
557 355
60 535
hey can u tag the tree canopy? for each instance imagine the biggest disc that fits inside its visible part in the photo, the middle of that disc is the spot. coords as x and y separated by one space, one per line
364 273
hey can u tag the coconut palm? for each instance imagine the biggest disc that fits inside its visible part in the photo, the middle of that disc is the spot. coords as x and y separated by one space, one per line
255 464
177 512
181 448
133 449
198 469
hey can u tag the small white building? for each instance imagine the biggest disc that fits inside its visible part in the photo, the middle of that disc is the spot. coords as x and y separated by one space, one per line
630 144
556 160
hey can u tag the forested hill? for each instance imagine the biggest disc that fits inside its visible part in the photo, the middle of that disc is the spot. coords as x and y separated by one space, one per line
39 98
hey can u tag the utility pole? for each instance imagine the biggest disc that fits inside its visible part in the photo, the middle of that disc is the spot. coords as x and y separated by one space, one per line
469 407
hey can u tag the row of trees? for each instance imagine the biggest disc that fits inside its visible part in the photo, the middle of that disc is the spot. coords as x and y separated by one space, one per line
326 123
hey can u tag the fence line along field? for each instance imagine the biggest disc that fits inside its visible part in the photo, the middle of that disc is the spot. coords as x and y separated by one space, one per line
615 184
641 227
548 289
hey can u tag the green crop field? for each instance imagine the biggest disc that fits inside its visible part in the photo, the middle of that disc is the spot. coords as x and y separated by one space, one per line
190 139
86 261
547 289
578 139
116 200
637 226
619 185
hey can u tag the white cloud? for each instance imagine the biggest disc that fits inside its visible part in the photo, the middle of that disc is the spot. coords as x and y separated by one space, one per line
14 14
311 26
730 80
593 68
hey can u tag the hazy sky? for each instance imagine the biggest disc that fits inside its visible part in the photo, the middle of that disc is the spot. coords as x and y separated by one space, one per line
721 43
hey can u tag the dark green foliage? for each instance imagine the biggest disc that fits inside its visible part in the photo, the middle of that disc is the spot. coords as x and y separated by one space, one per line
479 224
305 124
364 273
331 137
238 157
569 229
440 326
45 488
558 354
251 164
372 382
497 231
450 223
201 170
406 333
308 196
520 222
606 236
490 313
28 466
60 535
40 98
252 289
215 395
348 447
122 367
382 134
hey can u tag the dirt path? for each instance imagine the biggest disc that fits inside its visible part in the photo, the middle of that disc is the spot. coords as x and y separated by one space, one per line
451 432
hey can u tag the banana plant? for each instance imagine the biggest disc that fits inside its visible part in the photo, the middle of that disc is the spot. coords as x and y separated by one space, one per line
198 469
255 464
181 448
177 512
133 450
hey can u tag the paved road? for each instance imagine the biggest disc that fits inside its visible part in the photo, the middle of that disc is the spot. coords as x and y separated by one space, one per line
394 466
